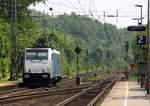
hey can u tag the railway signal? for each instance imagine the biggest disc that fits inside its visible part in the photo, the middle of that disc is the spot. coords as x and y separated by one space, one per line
77 50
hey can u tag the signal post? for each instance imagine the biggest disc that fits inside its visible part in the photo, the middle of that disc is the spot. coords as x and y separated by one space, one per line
77 50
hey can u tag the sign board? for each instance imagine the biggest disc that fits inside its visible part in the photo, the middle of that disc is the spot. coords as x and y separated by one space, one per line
132 65
77 50
136 28
141 40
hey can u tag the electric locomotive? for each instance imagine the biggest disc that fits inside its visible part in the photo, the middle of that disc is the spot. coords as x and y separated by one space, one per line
42 66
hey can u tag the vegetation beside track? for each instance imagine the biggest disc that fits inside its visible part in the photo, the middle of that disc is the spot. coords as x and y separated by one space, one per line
91 80
7 81
103 45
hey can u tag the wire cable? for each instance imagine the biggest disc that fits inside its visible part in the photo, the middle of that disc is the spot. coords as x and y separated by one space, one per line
81 6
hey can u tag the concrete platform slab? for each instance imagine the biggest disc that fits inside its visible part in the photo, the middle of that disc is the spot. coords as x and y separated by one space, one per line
126 94
9 83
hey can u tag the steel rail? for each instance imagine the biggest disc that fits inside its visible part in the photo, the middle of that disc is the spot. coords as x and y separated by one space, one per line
73 97
101 95
105 88
10 99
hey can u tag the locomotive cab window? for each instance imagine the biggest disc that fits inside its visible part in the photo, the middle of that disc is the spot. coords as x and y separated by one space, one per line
42 55
36 54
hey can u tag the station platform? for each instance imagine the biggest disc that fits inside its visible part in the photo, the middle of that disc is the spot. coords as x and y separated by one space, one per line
6 84
126 93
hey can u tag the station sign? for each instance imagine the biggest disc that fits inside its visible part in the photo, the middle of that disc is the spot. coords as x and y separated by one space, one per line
141 40
132 65
136 28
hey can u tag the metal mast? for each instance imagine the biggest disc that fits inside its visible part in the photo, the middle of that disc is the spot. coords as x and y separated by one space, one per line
13 41
148 34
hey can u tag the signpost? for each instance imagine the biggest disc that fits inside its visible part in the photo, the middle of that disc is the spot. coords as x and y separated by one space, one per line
148 33
132 65
77 50
141 40
136 28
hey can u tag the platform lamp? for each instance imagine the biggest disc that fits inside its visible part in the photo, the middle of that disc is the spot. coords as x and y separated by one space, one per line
51 9
148 33
138 19
137 5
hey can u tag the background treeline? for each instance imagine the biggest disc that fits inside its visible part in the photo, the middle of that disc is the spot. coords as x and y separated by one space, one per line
102 44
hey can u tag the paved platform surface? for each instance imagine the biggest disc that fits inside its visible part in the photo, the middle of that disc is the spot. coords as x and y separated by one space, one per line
9 83
127 94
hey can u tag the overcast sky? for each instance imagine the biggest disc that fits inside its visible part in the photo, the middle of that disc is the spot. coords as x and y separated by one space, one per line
95 9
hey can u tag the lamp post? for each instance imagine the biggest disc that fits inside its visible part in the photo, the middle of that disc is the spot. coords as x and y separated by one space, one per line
137 5
140 23
138 19
13 40
148 34
51 9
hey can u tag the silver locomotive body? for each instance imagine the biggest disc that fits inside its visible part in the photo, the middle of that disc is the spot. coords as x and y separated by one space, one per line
42 66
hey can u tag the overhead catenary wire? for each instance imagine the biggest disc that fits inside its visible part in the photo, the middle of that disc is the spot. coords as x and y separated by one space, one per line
93 12
81 7
72 5
90 10
57 12
90 13
90 5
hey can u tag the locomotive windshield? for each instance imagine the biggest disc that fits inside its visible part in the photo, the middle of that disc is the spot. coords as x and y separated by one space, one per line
36 54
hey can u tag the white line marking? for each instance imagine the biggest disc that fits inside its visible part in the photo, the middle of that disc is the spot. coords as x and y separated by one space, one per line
126 95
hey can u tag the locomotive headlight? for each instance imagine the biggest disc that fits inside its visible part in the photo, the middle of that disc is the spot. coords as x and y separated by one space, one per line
45 76
28 70
44 71
26 76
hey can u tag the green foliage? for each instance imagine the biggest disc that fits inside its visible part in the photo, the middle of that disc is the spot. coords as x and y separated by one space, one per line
102 44
22 7
4 48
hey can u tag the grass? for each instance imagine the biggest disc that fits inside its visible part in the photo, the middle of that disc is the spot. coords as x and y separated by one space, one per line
85 83
6 81
96 78
90 80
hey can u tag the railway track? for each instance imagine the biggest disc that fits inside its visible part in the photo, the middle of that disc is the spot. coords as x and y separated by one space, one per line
6 100
35 94
26 90
91 95
17 94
